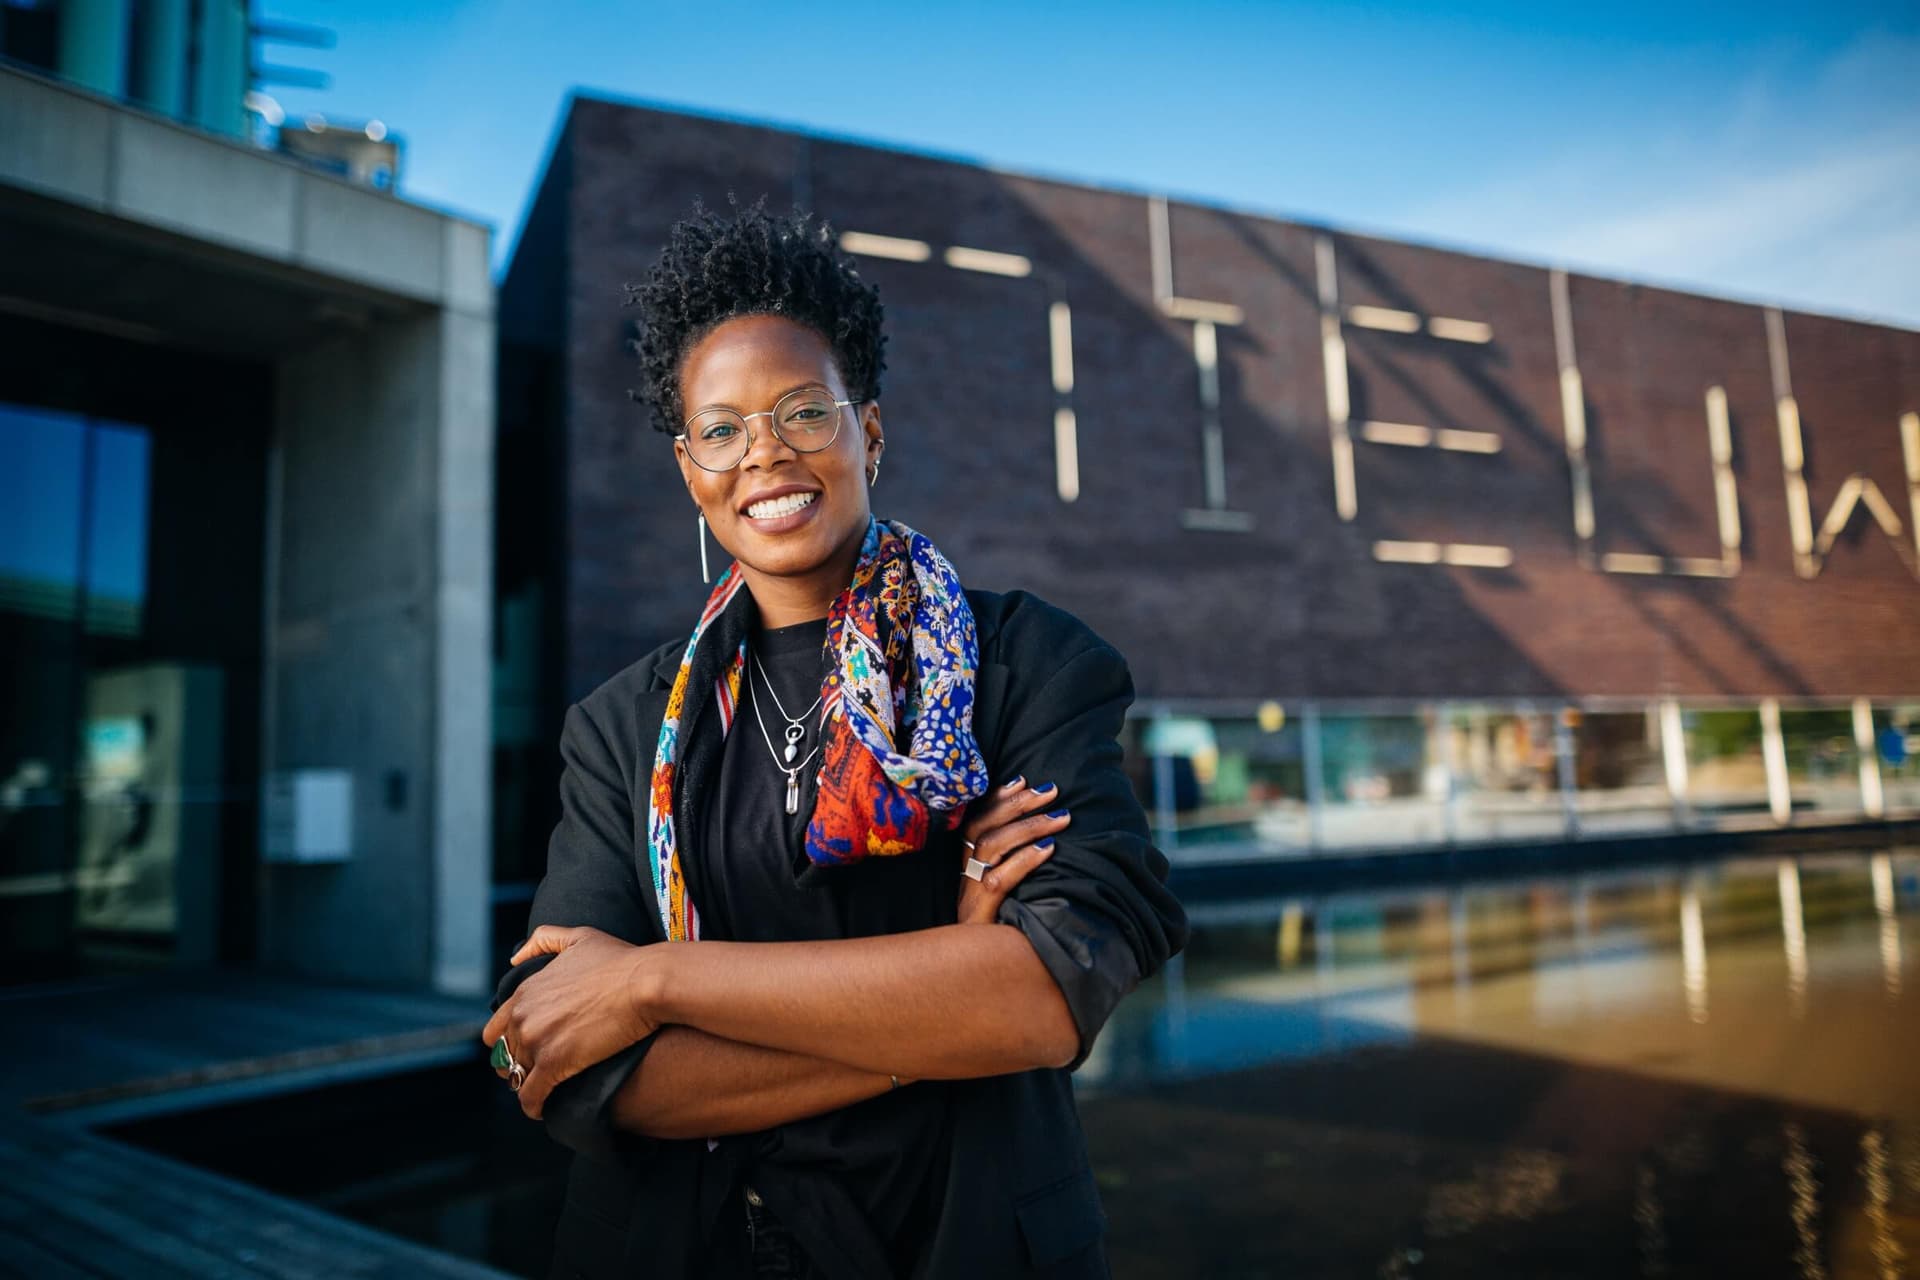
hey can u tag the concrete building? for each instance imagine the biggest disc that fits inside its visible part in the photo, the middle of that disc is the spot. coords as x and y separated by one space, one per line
246 491
1407 547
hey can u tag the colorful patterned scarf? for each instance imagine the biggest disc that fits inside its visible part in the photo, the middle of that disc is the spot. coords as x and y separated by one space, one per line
904 652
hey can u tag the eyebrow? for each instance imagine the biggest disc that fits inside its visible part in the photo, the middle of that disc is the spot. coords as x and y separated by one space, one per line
798 386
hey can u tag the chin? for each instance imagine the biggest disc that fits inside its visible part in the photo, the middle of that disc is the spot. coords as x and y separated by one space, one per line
789 555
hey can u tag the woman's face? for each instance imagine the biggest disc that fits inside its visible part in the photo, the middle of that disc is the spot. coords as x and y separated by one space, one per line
747 364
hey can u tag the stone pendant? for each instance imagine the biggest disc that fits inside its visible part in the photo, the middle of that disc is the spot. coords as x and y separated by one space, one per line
794 733
793 787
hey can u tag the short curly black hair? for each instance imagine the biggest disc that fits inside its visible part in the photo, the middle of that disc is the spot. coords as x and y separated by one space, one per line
752 263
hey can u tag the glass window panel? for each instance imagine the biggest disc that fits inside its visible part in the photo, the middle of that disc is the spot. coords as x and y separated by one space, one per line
1384 780
1619 772
1823 763
1896 741
117 530
1506 775
1236 783
1726 767
42 453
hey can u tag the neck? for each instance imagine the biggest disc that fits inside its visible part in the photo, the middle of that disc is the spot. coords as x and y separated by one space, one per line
786 600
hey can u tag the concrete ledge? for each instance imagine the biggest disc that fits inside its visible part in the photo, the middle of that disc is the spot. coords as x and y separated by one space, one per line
79 147
166 177
55 143
1225 881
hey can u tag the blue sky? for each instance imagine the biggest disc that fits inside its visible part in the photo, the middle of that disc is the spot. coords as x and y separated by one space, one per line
1760 151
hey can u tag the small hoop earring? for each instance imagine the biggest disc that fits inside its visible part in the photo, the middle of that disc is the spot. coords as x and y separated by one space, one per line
704 575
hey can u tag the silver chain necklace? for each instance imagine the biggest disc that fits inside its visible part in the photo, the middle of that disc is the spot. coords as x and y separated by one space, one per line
796 730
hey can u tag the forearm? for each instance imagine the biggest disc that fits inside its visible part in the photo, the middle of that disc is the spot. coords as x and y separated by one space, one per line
693 1084
952 1002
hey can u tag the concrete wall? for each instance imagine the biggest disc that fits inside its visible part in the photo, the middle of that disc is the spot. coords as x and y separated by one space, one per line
376 317
1288 585
377 654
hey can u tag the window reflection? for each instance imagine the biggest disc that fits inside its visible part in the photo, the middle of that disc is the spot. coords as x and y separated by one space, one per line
1896 743
73 493
1232 780
1726 766
42 455
1384 779
1506 776
1823 764
1619 774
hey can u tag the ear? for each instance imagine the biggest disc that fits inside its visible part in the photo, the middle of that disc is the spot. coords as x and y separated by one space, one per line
875 438
687 468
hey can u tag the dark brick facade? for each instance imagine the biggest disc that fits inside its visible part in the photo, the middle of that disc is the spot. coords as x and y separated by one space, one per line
1298 606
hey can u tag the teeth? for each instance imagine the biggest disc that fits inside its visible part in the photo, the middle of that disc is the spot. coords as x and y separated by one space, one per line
774 508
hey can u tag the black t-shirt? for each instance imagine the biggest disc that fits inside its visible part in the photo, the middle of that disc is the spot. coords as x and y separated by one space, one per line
883 1159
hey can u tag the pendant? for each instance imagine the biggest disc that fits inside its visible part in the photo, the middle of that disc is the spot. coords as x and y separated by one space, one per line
794 734
793 790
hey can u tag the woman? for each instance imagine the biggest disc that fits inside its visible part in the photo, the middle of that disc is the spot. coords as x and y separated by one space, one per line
846 1071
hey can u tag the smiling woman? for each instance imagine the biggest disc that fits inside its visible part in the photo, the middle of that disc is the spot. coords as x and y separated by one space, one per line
805 999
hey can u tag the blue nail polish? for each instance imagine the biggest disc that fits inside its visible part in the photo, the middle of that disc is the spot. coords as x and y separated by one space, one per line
1014 781
1045 843
1058 813
1043 788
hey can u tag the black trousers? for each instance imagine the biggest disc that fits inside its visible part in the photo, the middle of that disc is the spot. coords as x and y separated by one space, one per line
774 1253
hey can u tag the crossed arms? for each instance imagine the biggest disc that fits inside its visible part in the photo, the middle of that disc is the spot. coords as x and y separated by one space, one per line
752 1035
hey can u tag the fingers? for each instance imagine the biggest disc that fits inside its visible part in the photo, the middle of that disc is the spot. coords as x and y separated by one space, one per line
533 1092
1012 869
1000 841
497 1025
1005 803
548 938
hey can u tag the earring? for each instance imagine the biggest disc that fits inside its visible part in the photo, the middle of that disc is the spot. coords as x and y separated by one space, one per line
873 476
704 575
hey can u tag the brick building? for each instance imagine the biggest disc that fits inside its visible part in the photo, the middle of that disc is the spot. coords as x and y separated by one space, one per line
1404 545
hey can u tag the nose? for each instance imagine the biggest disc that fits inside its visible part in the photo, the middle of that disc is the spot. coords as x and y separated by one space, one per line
764 446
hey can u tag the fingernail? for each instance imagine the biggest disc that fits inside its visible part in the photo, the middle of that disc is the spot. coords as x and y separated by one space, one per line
1043 787
1046 843
1013 782
1058 813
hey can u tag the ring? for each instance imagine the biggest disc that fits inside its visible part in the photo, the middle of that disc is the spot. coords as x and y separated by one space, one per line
502 1057
976 868
970 844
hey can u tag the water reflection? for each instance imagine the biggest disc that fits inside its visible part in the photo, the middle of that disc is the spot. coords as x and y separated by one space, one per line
1706 1070
1673 1072
1793 929
1889 923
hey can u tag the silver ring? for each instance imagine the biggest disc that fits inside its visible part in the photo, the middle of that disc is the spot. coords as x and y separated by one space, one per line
971 847
976 869
516 1076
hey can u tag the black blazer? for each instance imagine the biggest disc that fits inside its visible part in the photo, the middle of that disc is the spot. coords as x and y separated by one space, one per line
1021 1201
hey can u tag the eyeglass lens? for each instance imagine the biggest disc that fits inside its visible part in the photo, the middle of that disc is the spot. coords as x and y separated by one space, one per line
805 421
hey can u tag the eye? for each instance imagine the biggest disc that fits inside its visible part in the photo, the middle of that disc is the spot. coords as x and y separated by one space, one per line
718 431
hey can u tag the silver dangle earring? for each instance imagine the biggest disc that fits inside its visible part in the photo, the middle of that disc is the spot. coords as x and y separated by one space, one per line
704 575
873 477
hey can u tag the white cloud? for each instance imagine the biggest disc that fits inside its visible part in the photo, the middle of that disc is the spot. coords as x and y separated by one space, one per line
1807 195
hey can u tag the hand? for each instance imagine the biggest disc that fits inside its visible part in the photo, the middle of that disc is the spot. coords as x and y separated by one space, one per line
583 1008
1008 828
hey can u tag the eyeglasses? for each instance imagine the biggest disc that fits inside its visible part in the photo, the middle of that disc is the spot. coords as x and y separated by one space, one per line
806 421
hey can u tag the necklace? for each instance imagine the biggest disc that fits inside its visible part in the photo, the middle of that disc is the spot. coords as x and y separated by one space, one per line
796 729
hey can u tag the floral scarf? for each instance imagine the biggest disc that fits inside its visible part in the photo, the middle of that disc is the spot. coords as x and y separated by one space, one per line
904 653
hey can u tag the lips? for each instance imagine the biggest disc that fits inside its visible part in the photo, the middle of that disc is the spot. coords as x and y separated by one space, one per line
789 507
771 495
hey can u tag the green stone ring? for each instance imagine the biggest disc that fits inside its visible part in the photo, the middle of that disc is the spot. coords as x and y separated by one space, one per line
501 1059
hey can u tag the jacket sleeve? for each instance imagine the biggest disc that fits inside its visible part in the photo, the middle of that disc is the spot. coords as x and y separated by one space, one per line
1098 911
590 880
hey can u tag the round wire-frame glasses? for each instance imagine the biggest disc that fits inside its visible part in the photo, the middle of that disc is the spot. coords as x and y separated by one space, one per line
806 420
